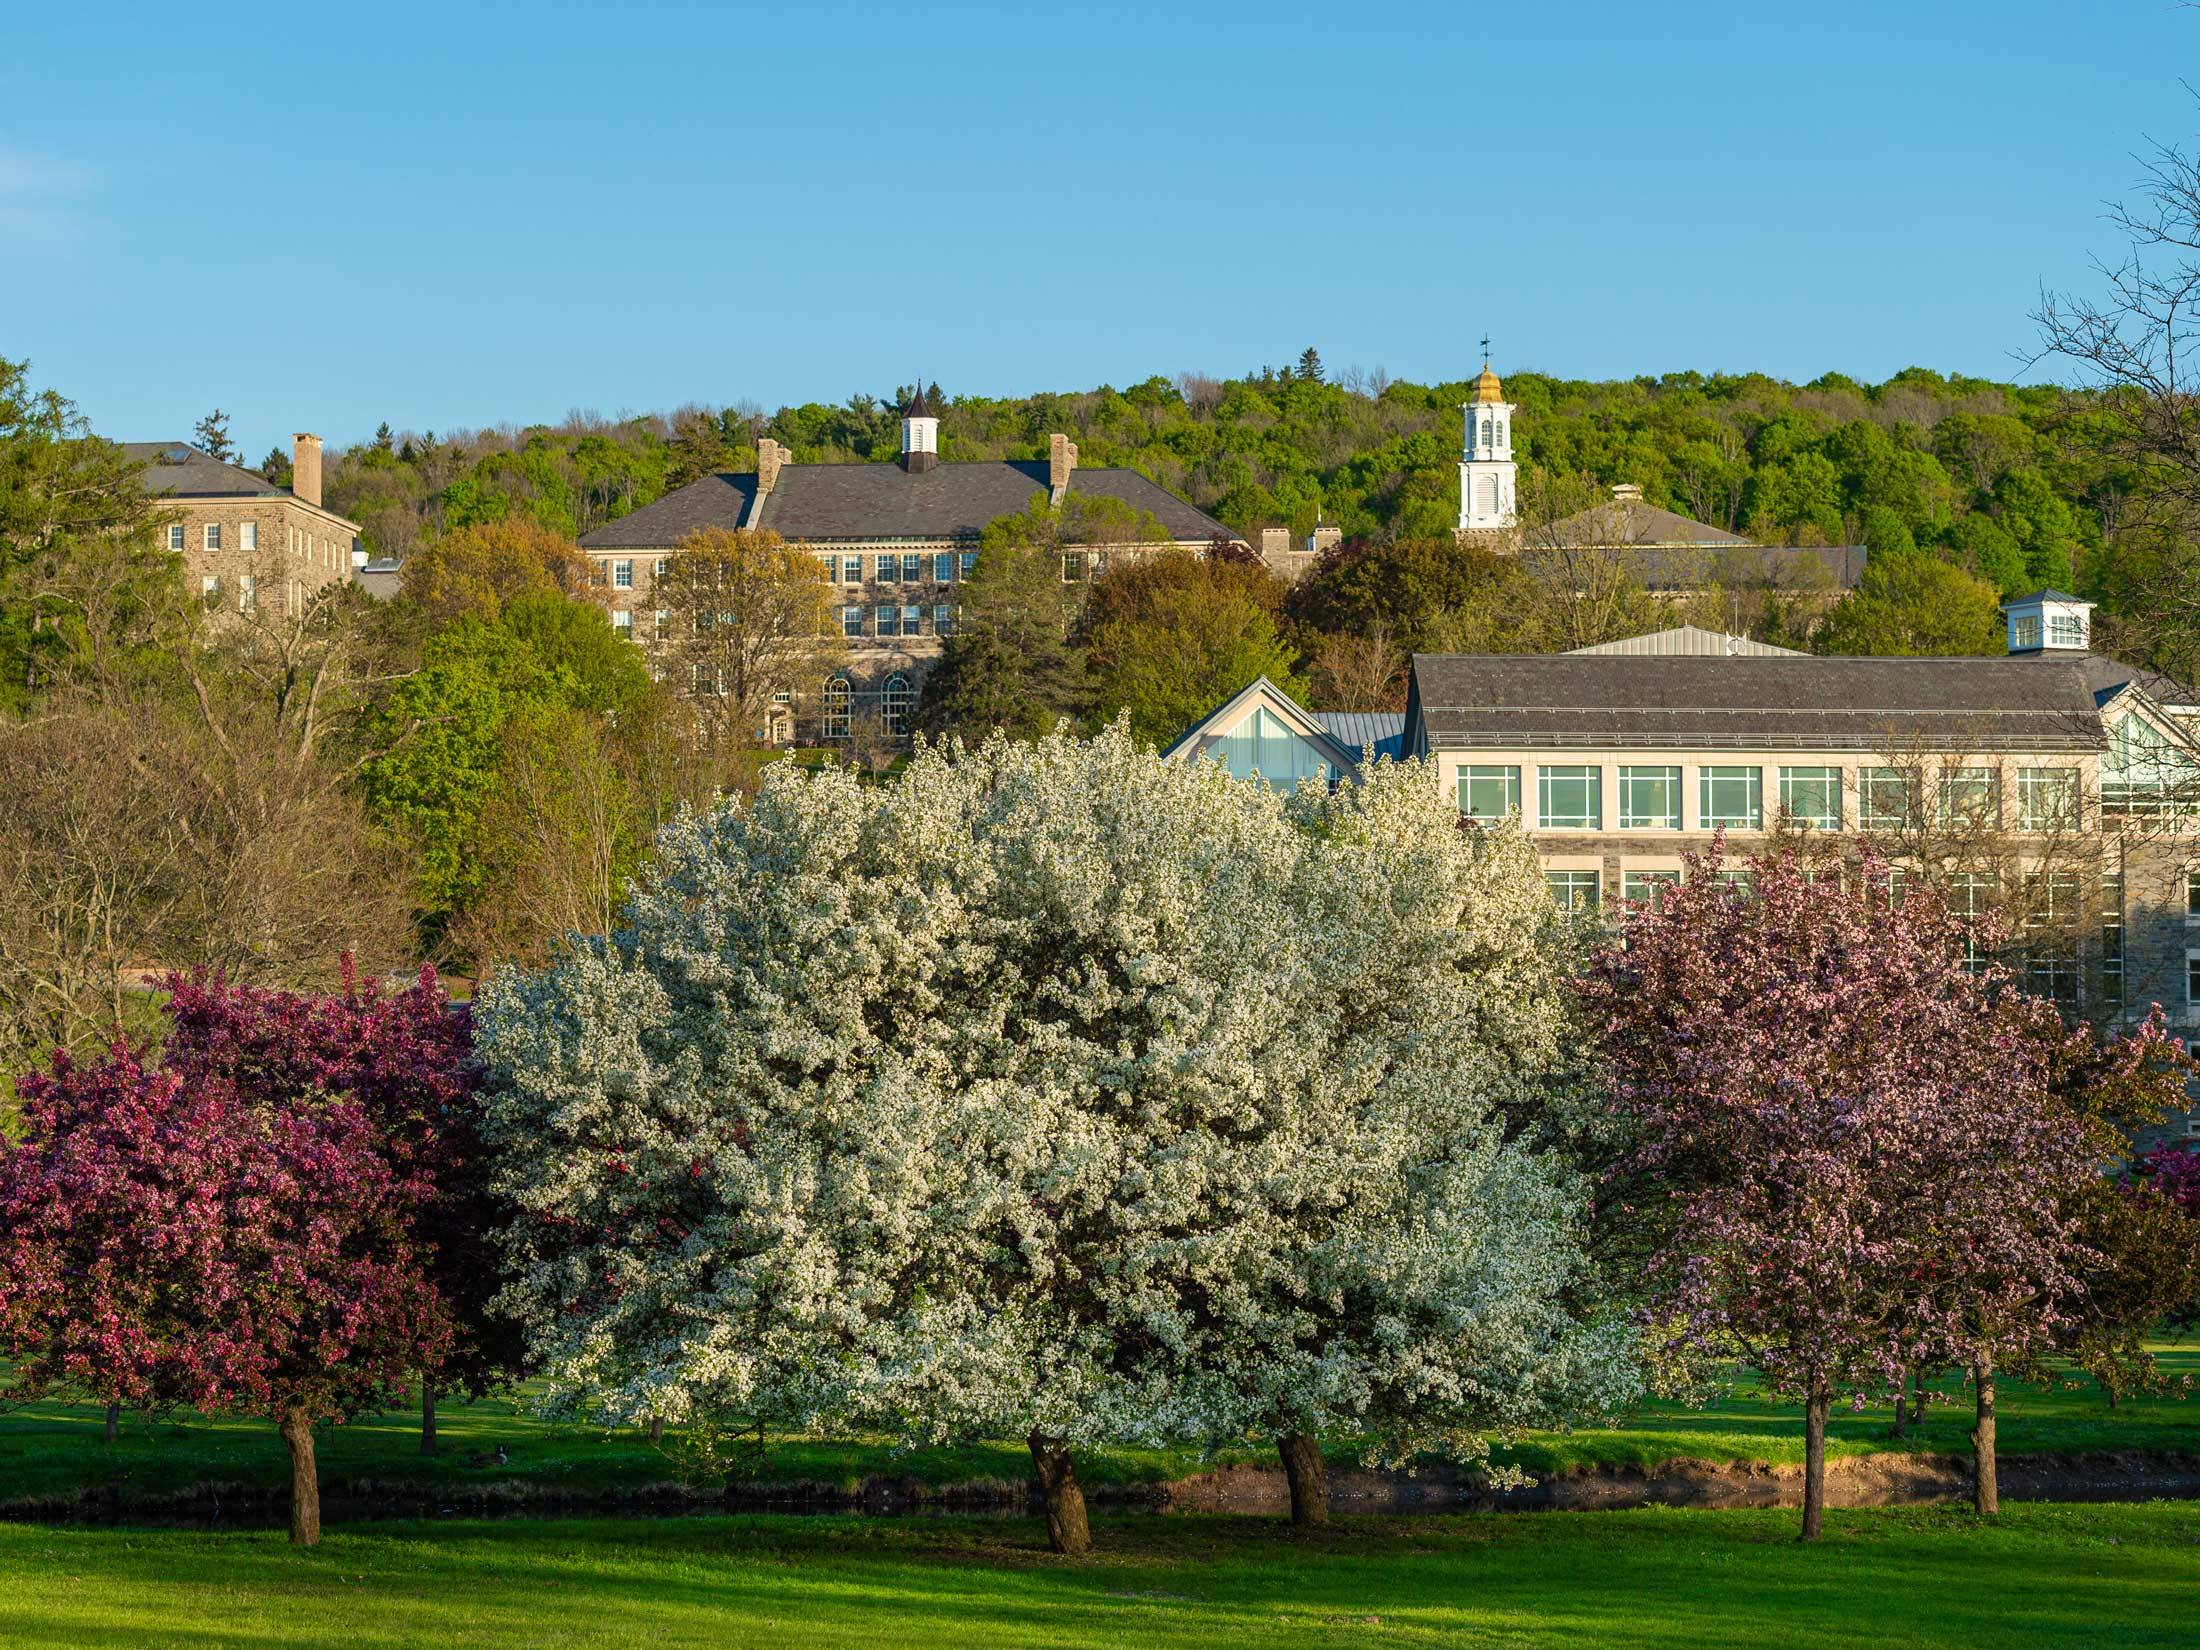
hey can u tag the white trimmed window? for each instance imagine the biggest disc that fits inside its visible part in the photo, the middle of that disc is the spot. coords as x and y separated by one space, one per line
622 575
1489 792
912 568
2027 630
1647 885
1650 799
889 621
622 620
2192 981
888 570
912 621
1970 796
175 535
838 701
248 535
210 589
1812 796
966 564
2047 798
2192 896
1570 798
851 569
851 621
1573 891
896 702
943 620
210 536
943 567
1888 798
2066 630
1731 796
248 594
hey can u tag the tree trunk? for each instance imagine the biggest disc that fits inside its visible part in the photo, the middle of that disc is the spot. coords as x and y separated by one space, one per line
1901 1409
427 1417
1302 1465
114 1422
656 1429
1815 1409
1985 1482
1917 1397
1067 1531
305 1480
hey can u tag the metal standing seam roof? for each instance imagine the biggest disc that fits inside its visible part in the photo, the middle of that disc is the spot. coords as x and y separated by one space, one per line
814 502
1356 730
1605 701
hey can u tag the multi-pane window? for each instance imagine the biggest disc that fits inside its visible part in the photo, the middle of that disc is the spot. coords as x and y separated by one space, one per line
1811 796
2066 630
175 536
2192 979
896 703
622 575
1073 566
943 567
2047 798
888 570
851 621
889 621
2192 896
622 620
1489 792
1650 799
2112 935
1573 891
1740 881
943 619
912 568
210 589
1970 797
1570 798
912 621
248 594
1733 797
851 569
211 534
2053 975
1647 885
248 535
1970 893
2027 631
1887 798
966 563
838 702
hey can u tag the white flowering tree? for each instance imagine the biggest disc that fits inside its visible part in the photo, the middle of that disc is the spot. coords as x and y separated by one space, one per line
998 1102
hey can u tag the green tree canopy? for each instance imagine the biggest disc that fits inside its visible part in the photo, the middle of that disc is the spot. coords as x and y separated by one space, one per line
1913 603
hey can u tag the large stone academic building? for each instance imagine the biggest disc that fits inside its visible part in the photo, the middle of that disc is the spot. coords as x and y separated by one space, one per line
248 546
894 540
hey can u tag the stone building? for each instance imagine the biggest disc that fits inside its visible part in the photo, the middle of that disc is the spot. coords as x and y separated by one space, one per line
248 546
895 541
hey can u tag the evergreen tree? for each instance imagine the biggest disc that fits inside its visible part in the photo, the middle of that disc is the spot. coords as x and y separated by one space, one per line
212 436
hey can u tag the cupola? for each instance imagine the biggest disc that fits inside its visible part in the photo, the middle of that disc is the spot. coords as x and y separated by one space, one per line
2049 621
920 434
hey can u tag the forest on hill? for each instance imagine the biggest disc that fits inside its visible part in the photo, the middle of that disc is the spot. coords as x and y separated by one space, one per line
2015 483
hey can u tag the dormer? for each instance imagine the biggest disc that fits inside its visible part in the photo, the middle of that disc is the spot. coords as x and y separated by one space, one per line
2049 621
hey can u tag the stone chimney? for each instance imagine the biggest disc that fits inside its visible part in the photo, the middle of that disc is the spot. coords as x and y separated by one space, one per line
1061 460
1324 538
1626 492
305 467
1274 542
769 456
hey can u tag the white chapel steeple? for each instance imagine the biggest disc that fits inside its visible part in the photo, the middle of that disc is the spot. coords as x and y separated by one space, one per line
1487 474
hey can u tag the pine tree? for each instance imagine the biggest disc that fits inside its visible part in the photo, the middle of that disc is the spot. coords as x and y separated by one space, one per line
212 433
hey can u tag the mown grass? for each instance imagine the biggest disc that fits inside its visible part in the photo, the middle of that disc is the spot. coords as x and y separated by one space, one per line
55 1450
2042 1576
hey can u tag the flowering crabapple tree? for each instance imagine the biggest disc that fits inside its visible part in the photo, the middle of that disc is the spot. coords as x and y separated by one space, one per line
174 1238
973 1105
1858 1159
405 1057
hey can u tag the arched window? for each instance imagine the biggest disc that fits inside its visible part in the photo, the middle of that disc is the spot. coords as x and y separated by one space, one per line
897 703
1488 491
1501 432
839 703
1487 437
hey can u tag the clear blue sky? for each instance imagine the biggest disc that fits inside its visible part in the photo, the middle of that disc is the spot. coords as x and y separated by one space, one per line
320 217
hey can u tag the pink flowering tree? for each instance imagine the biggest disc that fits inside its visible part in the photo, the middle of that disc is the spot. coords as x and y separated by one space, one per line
405 1057
169 1237
1846 1162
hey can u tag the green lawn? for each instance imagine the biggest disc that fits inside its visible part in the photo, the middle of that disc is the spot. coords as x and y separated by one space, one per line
2042 1576
49 1450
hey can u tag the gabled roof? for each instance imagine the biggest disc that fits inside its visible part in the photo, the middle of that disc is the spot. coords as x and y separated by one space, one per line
885 501
1623 701
1262 694
1633 522
1692 641
2046 596
177 469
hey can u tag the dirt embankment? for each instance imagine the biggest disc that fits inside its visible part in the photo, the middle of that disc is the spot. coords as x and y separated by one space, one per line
1851 1481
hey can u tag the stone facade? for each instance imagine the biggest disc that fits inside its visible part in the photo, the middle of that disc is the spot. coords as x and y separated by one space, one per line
247 545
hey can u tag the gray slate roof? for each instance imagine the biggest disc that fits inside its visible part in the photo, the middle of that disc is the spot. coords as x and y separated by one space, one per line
2109 677
884 501
1692 641
1633 522
1607 701
1774 566
178 469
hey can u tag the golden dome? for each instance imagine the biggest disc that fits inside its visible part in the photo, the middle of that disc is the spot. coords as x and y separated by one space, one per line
1487 388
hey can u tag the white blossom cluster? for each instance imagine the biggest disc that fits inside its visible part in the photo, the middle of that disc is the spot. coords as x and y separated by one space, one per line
1054 1088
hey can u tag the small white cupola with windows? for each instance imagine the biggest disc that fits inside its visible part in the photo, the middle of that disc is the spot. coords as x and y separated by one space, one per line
2049 621
920 433
1487 474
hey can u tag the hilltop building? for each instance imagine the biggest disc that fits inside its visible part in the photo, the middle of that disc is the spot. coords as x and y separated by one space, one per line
895 541
248 545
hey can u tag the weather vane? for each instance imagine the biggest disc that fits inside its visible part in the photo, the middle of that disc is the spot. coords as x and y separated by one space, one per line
1485 349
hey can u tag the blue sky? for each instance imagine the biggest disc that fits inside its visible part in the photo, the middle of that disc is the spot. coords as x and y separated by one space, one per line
451 216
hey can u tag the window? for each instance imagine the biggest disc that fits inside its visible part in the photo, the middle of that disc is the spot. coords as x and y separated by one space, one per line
1650 798
1570 798
966 564
1970 796
1096 562
1731 796
1812 796
2047 798
1889 798
912 621
851 621
2145 771
1969 895
175 536
943 620
248 536
1489 792
211 535
896 703
2192 896
1573 891
889 621
661 622
2066 630
912 568
1740 882
622 621
2026 632
1073 567
210 589
887 570
943 567
1264 743
1647 885
294 597
622 575
2112 936
851 569
248 594
839 707
2053 976
2192 982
